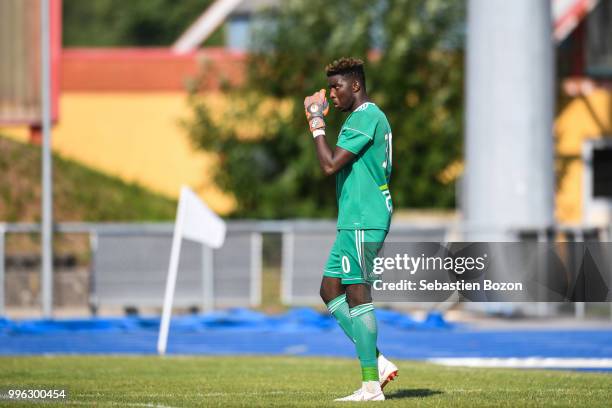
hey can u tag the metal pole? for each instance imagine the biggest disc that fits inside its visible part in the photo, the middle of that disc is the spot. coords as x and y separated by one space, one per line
287 268
2 263
256 273
509 174
47 191
580 307
579 310
93 291
542 307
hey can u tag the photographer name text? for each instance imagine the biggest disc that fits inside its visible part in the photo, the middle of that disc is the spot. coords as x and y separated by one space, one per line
460 285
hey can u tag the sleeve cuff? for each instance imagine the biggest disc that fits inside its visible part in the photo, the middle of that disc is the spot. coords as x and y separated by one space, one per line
350 149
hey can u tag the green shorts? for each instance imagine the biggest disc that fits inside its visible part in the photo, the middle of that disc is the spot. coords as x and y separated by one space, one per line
349 259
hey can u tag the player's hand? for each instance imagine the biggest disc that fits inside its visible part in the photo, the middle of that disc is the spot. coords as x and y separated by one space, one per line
316 107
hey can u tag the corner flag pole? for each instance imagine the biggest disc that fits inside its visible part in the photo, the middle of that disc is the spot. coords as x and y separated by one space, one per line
177 238
196 222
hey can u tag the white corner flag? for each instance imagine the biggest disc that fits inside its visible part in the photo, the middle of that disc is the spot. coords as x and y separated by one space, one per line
196 222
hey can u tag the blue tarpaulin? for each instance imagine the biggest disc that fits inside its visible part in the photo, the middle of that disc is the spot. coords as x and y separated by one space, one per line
300 331
238 318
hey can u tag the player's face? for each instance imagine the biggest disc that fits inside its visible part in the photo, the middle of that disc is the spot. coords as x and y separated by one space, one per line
341 92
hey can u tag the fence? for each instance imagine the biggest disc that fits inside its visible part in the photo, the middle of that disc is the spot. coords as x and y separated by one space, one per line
129 261
130 264
306 247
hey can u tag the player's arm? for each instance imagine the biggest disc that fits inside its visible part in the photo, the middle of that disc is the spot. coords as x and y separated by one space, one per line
316 107
330 162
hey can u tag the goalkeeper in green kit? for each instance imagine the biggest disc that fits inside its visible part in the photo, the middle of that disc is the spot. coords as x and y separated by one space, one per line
361 162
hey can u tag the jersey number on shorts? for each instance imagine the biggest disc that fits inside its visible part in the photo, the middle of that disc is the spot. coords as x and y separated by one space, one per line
346 265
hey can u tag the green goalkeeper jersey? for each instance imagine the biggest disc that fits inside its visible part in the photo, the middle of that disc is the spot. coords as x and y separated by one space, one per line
362 186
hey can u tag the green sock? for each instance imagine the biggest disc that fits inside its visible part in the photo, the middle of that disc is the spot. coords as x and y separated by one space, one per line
339 308
365 333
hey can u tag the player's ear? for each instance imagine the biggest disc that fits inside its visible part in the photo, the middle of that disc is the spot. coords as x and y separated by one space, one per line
356 86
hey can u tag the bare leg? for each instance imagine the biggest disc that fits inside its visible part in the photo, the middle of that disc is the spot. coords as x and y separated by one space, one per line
331 288
358 294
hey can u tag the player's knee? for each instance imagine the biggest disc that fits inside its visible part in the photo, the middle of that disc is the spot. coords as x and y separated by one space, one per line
329 290
354 302
322 293
325 294
358 294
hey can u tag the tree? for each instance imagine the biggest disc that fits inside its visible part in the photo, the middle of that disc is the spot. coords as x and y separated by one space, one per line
415 75
422 95
128 23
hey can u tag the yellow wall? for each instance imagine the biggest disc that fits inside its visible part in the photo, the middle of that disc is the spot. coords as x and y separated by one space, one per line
137 137
586 117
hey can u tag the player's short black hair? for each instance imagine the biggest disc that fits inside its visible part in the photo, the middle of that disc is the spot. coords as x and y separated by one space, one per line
347 66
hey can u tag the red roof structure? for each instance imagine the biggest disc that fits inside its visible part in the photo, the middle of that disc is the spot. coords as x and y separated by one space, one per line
147 69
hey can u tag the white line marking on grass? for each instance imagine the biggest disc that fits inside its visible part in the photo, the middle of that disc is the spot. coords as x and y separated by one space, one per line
119 404
296 349
530 362
228 394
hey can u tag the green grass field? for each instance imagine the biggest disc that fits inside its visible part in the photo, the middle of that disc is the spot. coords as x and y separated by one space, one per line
285 381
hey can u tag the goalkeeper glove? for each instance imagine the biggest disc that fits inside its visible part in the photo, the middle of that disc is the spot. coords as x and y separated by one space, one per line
316 107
